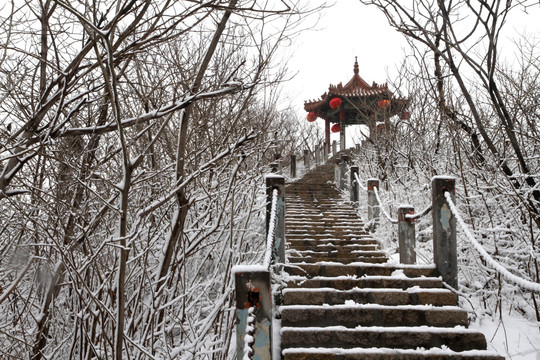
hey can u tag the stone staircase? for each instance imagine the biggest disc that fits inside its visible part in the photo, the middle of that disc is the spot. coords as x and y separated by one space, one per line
344 302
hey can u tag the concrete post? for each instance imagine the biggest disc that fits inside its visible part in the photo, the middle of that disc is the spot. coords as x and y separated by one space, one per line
334 147
373 205
306 159
343 171
342 145
317 156
325 151
253 290
293 166
444 229
337 171
276 182
406 236
354 186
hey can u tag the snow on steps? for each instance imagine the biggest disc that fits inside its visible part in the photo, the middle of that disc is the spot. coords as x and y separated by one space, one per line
342 301
385 354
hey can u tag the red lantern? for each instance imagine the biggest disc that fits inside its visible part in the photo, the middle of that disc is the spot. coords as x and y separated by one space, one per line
335 128
383 104
312 116
405 115
335 103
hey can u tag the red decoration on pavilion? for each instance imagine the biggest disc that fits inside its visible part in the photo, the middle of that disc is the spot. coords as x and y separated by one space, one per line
357 103
312 116
335 103
383 104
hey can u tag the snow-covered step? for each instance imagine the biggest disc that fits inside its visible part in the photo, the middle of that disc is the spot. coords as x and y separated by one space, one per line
374 257
399 337
359 270
351 282
331 296
351 315
350 248
436 353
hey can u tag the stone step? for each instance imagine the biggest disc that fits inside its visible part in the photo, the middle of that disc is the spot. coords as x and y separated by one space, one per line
456 339
386 354
331 296
353 315
359 270
352 248
349 282
368 258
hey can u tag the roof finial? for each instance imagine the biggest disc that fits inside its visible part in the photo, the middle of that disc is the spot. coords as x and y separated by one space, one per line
356 65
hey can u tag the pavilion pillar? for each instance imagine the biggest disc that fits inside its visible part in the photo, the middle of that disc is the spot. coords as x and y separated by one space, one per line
327 133
342 145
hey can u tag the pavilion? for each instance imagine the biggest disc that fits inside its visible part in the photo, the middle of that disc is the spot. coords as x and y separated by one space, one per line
355 103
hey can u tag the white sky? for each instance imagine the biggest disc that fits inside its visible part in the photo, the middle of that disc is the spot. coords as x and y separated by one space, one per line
325 55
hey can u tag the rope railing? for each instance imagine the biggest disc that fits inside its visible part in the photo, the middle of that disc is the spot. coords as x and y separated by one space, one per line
388 217
420 214
357 179
270 238
522 283
252 282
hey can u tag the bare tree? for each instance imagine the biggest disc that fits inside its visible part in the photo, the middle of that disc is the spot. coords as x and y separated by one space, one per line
132 138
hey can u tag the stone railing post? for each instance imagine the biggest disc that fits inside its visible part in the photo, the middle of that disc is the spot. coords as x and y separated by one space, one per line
373 205
354 186
317 156
276 182
293 166
252 285
306 159
444 229
325 151
337 171
406 235
334 147
343 171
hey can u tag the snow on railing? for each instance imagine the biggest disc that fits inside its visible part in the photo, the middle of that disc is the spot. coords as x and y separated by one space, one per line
523 283
420 214
388 217
270 239
249 336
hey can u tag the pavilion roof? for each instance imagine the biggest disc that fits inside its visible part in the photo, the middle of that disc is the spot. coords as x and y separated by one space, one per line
356 88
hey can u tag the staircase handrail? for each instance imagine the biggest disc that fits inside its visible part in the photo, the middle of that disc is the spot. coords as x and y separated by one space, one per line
388 217
270 238
494 264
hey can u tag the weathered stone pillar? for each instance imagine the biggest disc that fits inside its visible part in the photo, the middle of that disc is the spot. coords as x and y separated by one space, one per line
373 205
337 171
306 159
444 229
293 166
317 156
334 147
325 152
343 171
354 186
252 285
406 235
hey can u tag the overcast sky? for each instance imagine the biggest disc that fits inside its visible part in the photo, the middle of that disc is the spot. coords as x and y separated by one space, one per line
326 54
